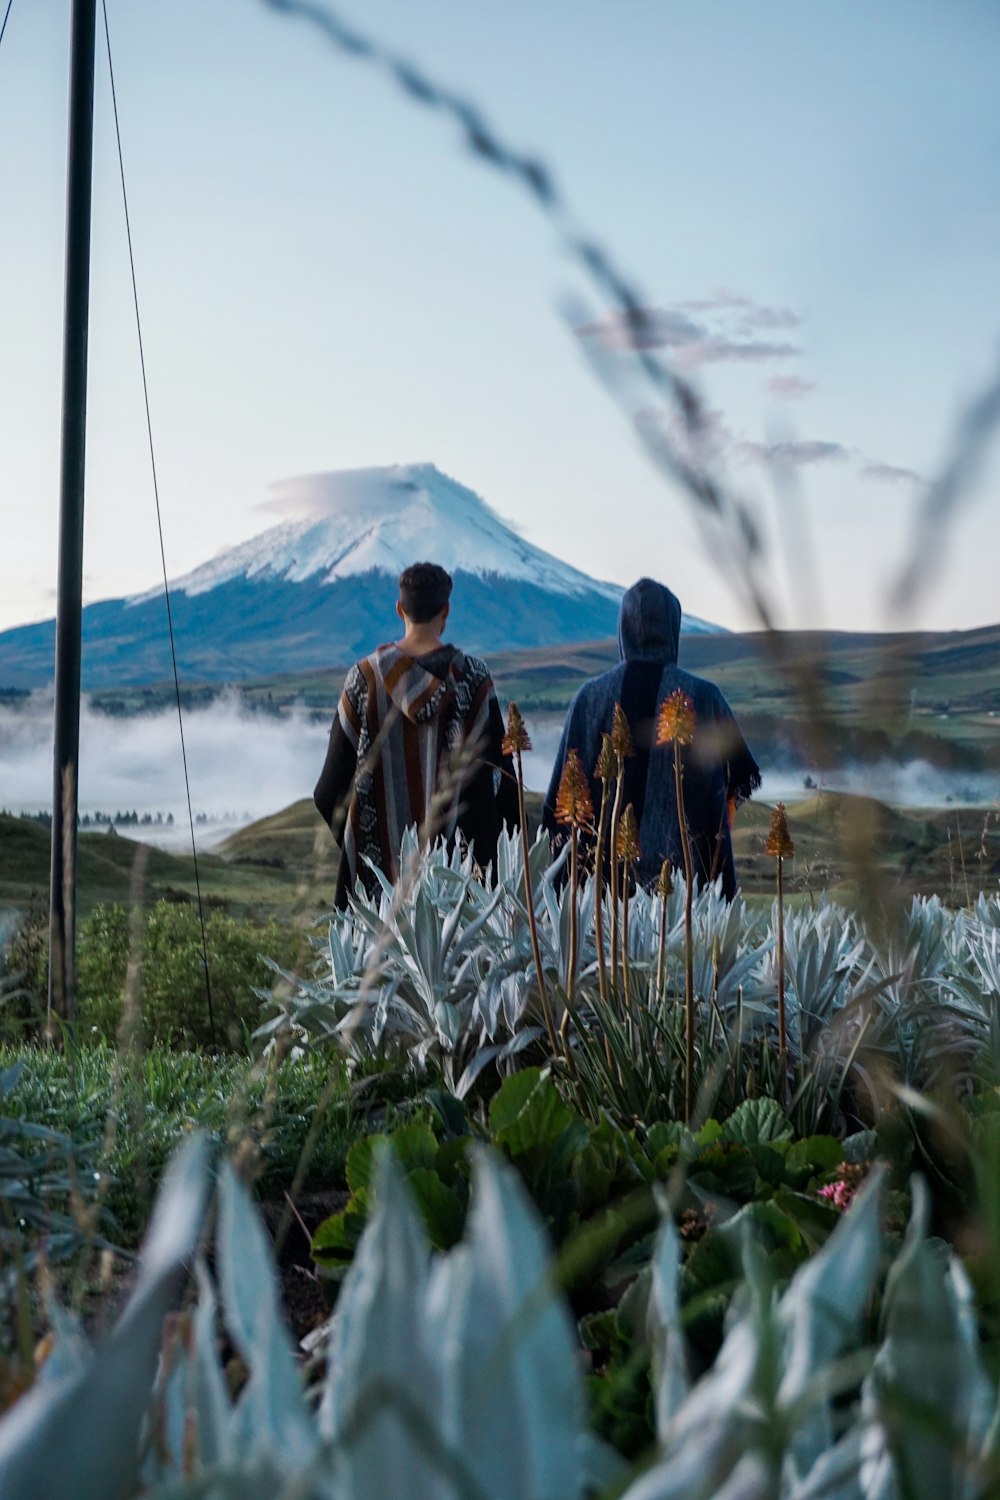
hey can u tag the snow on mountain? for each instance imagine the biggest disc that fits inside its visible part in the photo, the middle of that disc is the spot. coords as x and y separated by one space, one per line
382 519
319 590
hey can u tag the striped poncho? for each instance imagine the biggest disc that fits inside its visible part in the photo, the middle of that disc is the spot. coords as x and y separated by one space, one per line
416 741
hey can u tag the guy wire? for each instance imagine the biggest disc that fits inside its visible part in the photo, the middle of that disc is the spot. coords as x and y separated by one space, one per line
6 18
159 527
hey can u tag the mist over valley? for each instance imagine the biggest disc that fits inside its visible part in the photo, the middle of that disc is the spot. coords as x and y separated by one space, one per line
245 764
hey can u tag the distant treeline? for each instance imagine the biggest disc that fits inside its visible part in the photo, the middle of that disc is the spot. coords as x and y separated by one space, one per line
131 819
132 702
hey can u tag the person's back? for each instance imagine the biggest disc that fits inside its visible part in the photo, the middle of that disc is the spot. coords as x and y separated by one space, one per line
719 771
416 741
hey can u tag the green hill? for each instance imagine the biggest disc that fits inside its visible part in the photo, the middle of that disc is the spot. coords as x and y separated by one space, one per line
108 864
842 842
286 865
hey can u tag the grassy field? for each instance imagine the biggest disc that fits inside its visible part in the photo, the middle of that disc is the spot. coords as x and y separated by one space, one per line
286 865
291 874
842 842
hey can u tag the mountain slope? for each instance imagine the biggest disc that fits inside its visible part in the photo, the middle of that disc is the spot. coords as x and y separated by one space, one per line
318 590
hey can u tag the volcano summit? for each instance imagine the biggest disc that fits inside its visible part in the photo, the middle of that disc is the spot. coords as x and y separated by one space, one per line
319 589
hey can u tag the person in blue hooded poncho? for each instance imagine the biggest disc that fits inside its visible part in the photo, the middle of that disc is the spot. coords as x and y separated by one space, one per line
718 770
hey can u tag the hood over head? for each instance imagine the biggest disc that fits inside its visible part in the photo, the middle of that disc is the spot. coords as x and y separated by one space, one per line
420 690
649 625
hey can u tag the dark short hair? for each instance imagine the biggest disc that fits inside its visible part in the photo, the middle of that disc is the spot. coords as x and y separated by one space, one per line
424 590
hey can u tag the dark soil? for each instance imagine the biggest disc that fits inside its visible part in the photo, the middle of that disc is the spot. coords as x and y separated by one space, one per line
303 1292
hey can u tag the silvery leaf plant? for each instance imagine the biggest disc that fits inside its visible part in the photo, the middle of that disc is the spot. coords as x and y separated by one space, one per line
439 968
459 1375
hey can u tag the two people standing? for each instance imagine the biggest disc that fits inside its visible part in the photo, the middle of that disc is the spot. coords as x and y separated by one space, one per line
418 740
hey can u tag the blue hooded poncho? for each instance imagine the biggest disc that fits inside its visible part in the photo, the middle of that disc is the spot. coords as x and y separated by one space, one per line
718 767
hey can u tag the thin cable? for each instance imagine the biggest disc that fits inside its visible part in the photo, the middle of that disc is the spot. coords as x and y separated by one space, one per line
159 527
6 18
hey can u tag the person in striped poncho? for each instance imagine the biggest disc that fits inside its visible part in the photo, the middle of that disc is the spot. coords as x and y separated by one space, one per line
417 740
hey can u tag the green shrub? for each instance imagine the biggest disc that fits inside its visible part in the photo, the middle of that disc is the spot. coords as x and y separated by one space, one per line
24 970
140 1113
172 993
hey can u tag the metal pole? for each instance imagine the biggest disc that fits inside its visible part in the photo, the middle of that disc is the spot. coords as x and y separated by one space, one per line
69 607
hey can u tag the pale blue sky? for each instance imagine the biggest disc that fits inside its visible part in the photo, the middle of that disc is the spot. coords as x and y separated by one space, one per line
328 280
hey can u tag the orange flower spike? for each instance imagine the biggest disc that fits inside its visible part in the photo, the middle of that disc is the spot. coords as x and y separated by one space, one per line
676 720
779 841
621 735
604 770
517 739
573 803
665 885
628 836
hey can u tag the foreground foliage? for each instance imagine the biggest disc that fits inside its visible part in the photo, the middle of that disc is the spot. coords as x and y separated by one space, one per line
595 1189
457 1374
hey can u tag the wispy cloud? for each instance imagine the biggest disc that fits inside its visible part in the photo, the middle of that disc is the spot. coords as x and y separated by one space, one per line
790 387
748 351
801 452
646 328
756 317
713 444
891 473
728 327
722 333
742 311
721 297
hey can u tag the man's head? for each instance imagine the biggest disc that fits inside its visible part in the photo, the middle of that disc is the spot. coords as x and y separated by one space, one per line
424 594
649 623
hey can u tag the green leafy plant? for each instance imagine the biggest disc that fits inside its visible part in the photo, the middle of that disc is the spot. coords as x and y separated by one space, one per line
48 1183
24 952
571 1169
128 1119
41 1171
172 997
458 1374
593 1187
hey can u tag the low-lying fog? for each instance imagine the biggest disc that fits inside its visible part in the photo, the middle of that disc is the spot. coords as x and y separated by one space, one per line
244 765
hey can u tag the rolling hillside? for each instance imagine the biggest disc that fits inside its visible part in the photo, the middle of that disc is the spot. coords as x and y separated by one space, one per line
286 864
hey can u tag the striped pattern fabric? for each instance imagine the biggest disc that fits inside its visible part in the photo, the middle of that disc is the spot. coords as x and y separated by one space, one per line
418 740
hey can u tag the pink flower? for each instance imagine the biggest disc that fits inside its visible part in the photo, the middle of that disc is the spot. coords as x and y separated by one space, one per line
839 1193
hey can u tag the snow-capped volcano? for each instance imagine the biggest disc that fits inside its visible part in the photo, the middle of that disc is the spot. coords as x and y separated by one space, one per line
364 520
319 589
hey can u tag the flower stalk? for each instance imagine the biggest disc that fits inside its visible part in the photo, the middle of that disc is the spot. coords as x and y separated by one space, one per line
515 742
604 772
628 854
665 888
621 745
575 810
780 847
675 726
